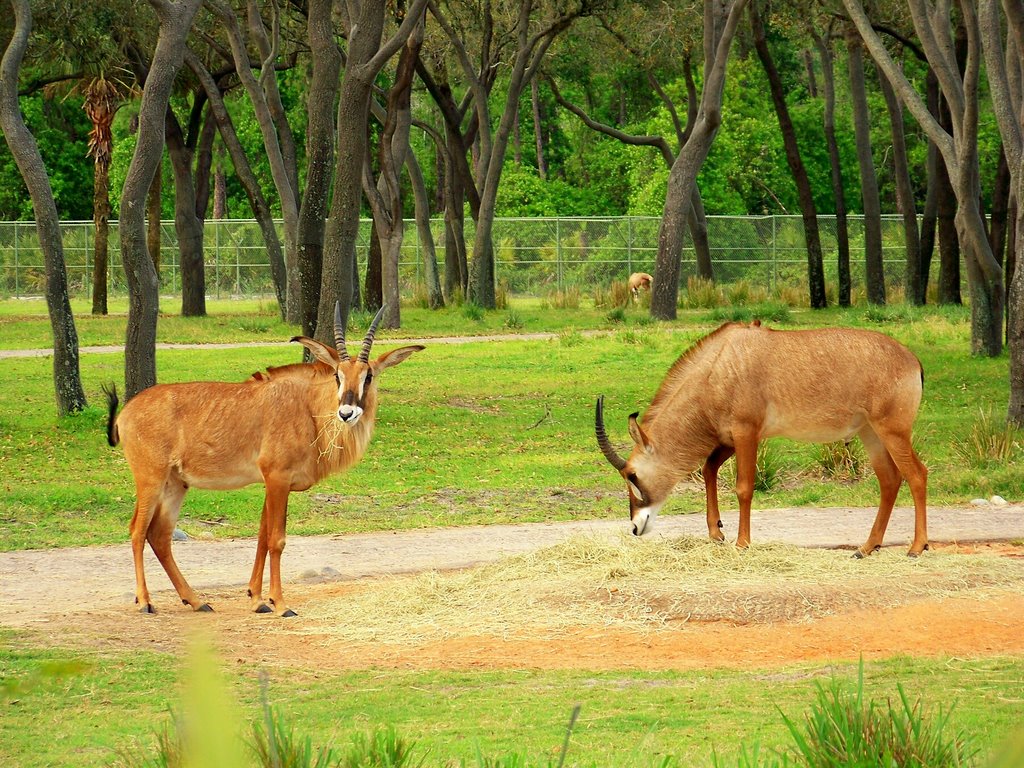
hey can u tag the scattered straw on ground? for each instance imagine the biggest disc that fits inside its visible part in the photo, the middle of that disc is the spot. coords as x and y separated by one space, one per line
649 585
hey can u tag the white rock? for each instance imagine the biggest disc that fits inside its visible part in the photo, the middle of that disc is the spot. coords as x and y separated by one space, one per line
998 501
980 502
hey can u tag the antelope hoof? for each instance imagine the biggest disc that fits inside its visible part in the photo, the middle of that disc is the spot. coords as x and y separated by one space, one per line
288 614
858 555
205 608
147 608
264 608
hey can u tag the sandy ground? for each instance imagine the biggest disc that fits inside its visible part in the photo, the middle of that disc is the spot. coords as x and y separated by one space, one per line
83 597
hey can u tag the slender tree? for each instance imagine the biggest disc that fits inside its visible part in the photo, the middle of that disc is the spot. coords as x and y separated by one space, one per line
67 376
1003 60
721 20
175 20
812 236
959 149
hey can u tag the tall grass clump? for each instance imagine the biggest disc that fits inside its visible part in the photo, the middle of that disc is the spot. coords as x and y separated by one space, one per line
768 471
702 293
990 440
473 311
842 730
567 298
614 295
842 460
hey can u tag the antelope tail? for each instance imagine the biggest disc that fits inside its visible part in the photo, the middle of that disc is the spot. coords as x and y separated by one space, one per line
111 393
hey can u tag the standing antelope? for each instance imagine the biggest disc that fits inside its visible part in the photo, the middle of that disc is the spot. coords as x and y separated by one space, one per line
742 384
288 428
637 281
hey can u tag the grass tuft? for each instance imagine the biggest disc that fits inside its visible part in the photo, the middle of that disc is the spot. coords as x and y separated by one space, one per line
842 461
989 441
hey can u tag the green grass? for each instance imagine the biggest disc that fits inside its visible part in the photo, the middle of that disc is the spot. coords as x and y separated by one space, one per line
113 703
490 432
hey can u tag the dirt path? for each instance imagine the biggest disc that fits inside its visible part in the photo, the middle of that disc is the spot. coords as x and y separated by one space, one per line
83 596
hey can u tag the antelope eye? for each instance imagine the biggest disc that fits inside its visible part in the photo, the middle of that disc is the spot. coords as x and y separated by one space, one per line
337 378
368 379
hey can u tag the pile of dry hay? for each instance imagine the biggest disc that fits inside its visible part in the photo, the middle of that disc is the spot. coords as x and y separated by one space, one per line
649 584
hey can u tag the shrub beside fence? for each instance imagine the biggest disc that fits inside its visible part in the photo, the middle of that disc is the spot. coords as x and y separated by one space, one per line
533 256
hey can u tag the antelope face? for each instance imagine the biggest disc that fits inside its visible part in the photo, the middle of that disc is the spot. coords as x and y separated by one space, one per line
645 480
355 388
356 378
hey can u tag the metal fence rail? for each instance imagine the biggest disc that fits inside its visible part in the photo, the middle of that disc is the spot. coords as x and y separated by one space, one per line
533 255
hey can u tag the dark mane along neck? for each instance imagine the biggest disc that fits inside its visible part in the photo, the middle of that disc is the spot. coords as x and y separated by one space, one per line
678 375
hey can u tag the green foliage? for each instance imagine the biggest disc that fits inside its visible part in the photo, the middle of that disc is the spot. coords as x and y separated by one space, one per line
61 131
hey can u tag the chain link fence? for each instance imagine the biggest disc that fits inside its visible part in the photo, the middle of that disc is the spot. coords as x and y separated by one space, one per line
533 256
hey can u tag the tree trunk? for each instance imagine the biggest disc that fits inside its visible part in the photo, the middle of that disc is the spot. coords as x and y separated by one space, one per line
67 379
538 128
720 24
913 290
949 240
1015 326
243 171
154 215
998 221
101 228
323 90
431 279
366 57
873 268
835 164
373 288
697 221
188 226
812 237
140 346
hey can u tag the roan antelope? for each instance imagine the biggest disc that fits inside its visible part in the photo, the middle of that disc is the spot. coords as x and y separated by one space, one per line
742 384
287 427
637 281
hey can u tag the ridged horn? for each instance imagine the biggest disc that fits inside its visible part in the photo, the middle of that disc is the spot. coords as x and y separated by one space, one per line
602 437
339 332
364 355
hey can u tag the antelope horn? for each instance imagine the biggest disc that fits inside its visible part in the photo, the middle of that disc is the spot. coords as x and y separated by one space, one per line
602 437
364 355
339 332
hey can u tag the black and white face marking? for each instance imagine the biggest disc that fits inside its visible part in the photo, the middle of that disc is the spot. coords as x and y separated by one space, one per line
642 512
352 395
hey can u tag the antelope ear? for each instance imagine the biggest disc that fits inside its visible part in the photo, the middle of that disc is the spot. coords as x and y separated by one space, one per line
638 434
395 356
320 351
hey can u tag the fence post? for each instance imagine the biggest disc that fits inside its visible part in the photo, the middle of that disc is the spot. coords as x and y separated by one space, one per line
775 255
558 252
17 264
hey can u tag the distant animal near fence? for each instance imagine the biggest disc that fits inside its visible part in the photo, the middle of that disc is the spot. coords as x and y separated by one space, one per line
533 255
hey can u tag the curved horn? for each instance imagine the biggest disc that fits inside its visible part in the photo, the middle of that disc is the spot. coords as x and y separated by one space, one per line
339 332
602 437
364 355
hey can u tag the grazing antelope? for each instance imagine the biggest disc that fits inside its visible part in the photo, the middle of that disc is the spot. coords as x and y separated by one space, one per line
287 427
742 384
637 281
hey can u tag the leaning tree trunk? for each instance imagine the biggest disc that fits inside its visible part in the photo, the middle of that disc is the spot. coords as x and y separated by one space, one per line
247 178
67 377
812 237
874 272
720 25
323 89
904 193
187 225
366 57
140 344
835 164
431 278
101 229
697 221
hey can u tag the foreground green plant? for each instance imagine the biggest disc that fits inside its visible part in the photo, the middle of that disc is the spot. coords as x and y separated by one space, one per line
991 440
843 730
